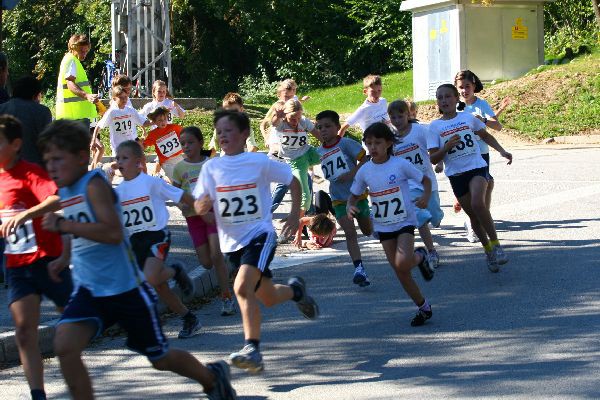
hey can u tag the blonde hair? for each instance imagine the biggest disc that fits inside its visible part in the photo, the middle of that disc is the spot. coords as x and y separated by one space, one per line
116 91
412 106
292 106
291 84
371 80
77 41
158 84
285 85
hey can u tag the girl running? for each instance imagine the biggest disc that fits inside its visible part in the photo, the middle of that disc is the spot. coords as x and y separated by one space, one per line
452 139
394 218
202 228
162 98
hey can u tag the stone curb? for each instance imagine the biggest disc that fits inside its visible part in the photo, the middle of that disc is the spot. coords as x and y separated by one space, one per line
587 139
205 282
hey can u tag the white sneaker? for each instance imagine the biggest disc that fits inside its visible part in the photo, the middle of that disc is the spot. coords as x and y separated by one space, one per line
227 307
471 235
434 259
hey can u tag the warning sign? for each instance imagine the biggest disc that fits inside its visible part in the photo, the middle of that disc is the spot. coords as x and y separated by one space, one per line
519 31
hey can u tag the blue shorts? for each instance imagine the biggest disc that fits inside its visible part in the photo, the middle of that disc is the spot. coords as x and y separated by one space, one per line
433 213
258 253
423 214
134 310
34 279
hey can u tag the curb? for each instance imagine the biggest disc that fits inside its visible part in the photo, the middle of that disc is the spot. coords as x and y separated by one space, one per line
587 139
205 282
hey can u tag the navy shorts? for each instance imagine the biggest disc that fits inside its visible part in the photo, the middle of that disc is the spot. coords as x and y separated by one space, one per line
460 182
258 253
134 310
150 244
383 236
486 158
34 279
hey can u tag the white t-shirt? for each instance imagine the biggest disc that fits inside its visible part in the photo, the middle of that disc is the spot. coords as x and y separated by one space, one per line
143 202
113 103
391 206
482 108
368 113
465 156
122 124
153 105
413 147
71 70
239 187
293 142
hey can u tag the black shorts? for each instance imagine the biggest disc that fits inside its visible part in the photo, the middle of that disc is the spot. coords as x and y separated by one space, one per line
486 158
460 182
258 253
150 244
34 279
134 310
383 236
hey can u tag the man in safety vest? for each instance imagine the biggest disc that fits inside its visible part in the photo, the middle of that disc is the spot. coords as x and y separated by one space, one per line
74 98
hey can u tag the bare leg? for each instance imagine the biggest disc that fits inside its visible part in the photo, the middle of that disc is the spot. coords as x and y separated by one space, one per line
219 262
157 275
351 237
474 205
244 285
365 225
488 194
425 234
184 364
400 255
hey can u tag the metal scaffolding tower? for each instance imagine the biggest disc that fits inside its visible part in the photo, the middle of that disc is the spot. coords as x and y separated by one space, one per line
141 41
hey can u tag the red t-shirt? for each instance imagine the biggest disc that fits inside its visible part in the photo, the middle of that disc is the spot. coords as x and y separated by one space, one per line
24 186
165 141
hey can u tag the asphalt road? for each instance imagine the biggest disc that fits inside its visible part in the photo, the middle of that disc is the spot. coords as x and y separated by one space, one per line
527 332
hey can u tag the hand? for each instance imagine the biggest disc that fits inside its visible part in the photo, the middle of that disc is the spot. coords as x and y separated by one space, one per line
209 217
290 227
297 241
304 98
345 177
49 222
453 141
92 98
203 205
421 202
351 211
505 103
56 266
439 167
11 225
508 156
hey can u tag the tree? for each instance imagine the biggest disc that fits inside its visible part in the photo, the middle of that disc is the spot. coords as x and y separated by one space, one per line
596 11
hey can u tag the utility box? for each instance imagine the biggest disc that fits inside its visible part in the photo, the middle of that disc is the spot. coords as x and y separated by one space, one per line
500 41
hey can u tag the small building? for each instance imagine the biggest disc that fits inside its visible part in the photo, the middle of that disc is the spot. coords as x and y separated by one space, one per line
500 41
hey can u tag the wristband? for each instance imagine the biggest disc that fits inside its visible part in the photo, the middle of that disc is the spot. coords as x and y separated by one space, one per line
57 224
485 120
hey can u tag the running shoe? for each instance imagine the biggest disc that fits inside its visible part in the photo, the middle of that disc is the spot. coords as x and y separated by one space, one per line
471 235
222 389
282 239
227 307
307 305
434 259
421 317
249 358
360 277
501 257
191 327
426 270
184 281
492 264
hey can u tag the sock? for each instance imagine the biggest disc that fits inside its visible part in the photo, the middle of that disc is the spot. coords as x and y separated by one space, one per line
254 342
297 293
357 263
38 394
495 243
425 306
488 247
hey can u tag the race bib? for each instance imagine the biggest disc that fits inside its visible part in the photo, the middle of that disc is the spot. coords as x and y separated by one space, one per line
412 153
334 164
169 144
138 214
293 140
22 240
466 145
239 204
76 209
123 126
388 207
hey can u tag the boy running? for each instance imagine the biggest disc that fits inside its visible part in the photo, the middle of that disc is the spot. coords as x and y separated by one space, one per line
111 288
165 139
340 160
237 187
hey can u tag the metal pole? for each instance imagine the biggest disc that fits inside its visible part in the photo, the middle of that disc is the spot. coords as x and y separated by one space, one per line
167 36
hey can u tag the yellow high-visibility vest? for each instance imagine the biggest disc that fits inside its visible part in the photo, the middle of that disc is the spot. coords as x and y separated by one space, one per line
69 105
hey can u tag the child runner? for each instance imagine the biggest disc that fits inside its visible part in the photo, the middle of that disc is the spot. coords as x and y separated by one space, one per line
340 160
412 145
162 98
203 233
111 288
165 139
122 122
468 84
321 231
394 218
33 266
452 139
237 187
233 102
145 216
374 108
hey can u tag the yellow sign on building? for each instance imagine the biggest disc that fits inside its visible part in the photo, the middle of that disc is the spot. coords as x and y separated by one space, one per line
519 31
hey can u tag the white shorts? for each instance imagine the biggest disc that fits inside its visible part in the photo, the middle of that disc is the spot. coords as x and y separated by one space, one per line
169 165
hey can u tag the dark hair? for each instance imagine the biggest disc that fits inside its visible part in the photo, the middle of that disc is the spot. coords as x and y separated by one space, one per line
121 80
471 77
379 130
26 88
398 105
330 114
461 104
10 127
132 145
240 119
321 225
197 133
69 135
157 113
